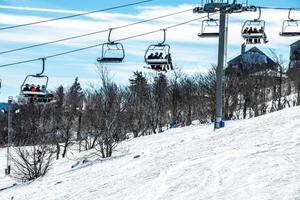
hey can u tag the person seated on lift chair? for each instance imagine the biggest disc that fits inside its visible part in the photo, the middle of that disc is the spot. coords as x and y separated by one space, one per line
169 58
26 88
261 30
38 88
246 30
44 89
33 88
151 56
249 39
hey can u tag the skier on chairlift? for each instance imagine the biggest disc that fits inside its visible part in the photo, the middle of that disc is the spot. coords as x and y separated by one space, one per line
44 89
33 88
26 88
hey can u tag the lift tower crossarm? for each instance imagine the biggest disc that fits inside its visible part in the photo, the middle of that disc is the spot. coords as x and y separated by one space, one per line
226 7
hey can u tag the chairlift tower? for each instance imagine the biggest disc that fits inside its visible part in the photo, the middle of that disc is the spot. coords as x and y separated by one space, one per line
9 136
224 7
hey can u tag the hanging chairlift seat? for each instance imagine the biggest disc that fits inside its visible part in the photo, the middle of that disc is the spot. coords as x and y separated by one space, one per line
112 52
158 54
259 25
36 96
253 35
209 23
30 93
290 27
208 35
287 31
289 34
254 30
26 81
109 60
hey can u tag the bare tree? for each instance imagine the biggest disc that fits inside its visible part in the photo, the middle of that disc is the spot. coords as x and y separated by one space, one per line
68 108
207 84
281 63
112 103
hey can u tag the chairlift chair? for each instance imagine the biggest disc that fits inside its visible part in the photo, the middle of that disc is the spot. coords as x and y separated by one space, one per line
290 27
254 30
157 49
211 24
112 52
159 55
36 96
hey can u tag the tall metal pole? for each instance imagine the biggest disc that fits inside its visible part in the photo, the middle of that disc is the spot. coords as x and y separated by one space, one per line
9 136
221 56
225 8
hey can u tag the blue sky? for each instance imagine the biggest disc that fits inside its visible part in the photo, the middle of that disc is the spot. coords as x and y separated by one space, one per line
92 4
189 52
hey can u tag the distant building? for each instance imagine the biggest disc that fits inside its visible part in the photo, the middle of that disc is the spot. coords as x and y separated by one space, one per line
254 84
295 56
294 67
249 62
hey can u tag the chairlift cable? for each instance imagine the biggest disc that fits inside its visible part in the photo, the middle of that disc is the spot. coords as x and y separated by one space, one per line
93 33
96 45
277 8
76 15
20 62
122 39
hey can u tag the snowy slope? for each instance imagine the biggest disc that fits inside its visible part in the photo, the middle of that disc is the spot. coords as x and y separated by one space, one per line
257 159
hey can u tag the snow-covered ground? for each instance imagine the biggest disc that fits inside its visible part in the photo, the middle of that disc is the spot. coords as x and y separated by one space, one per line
257 159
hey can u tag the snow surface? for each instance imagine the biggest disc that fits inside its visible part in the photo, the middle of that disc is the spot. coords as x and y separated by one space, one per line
257 159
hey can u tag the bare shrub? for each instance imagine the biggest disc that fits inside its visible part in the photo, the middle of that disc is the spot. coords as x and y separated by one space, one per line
29 163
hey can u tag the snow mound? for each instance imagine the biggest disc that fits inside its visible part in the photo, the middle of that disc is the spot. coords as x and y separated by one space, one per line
250 159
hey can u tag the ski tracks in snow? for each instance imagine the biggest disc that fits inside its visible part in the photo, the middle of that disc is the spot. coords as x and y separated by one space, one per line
180 181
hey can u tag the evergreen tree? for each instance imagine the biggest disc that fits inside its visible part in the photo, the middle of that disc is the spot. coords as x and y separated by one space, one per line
139 101
161 101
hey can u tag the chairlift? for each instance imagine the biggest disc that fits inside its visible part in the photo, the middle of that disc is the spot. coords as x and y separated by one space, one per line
290 27
253 31
33 93
158 56
209 28
112 52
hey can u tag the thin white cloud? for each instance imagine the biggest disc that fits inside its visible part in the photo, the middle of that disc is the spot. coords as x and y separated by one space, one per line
40 9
